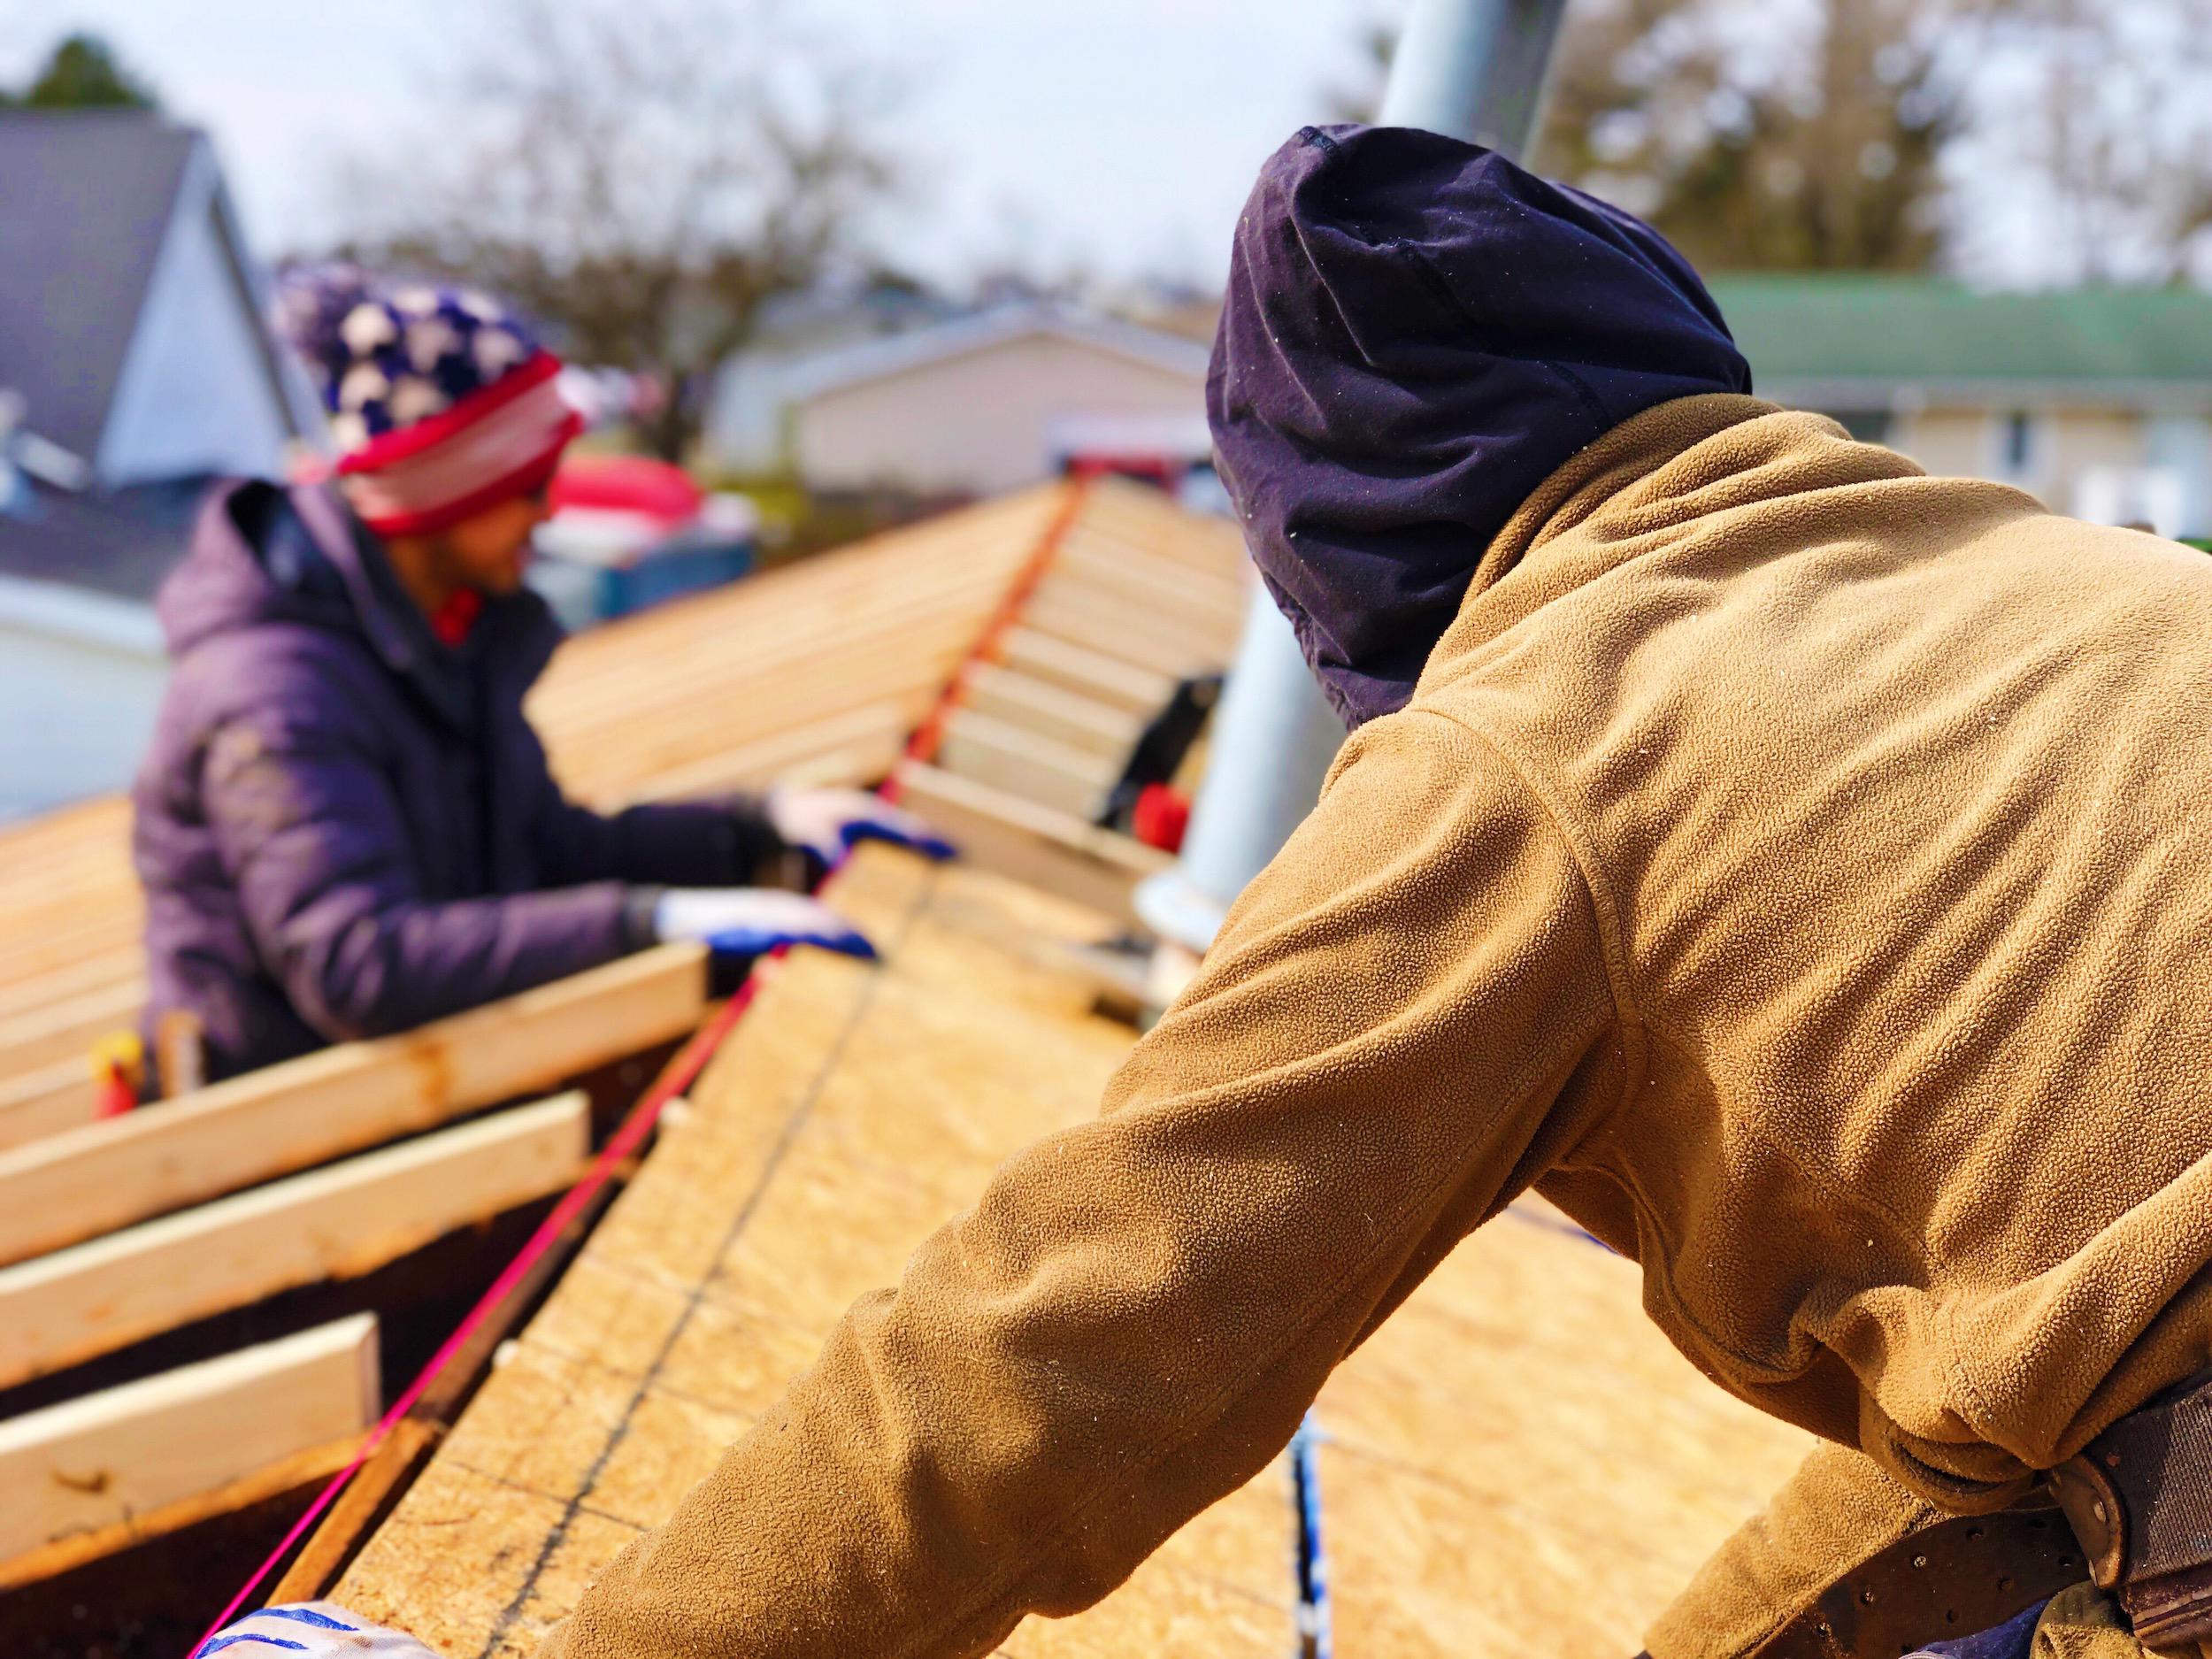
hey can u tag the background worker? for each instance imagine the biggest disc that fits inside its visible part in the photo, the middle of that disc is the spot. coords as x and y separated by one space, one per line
345 825
1795 866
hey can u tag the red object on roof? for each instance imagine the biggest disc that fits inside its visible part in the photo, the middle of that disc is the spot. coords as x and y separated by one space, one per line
1162 816
627 483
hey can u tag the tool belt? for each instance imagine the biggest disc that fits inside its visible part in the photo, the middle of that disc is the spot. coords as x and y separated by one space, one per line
2139 1498
2133 1512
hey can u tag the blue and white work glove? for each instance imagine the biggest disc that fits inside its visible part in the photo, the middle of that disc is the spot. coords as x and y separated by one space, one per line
830 823
739 923
318 1629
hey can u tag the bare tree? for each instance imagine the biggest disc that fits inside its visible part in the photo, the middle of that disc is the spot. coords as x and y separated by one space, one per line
1802 138
644 175
2103 109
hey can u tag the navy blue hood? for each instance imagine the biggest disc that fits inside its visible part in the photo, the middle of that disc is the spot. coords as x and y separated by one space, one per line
1416 334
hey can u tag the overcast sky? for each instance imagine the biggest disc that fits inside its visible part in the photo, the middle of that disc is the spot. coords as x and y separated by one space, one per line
1120 135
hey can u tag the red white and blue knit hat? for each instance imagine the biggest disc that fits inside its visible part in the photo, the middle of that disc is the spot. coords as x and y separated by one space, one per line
442 401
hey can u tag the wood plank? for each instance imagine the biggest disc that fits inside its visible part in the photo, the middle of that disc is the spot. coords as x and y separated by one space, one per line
1093 675
1009 758
68 1030
93 1462
302 1474
36 1104
1065 857
1051 711
87 1181
337 1222
1132 633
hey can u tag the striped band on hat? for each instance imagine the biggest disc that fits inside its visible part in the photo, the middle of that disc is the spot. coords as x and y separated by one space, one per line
502 442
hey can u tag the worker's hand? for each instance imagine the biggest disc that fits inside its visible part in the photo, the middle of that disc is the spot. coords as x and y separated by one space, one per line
829 823
317 1629
743 923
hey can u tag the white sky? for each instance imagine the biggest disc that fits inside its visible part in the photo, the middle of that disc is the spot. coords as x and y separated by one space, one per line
1119 134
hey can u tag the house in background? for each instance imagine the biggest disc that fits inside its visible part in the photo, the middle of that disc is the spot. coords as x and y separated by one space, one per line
134 366
982 403
2098 401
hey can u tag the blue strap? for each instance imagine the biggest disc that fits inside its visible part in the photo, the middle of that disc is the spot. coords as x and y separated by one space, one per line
221 1642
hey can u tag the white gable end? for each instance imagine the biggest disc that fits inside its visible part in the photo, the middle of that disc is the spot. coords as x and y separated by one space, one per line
198 393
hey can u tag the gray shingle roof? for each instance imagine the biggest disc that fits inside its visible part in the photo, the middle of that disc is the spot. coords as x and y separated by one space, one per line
85 198
121 542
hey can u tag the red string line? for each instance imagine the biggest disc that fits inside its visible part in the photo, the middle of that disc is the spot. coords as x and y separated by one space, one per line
679 1076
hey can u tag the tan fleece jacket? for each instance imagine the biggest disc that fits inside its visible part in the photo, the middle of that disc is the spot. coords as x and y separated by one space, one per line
1796 867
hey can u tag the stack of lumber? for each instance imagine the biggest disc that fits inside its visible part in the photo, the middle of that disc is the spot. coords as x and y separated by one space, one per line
113 1234
1517 1464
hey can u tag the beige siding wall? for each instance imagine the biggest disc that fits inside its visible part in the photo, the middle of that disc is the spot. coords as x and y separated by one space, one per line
977 422
2064 444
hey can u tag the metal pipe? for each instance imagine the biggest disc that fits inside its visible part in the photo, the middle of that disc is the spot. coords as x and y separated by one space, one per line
1470 69
1473 69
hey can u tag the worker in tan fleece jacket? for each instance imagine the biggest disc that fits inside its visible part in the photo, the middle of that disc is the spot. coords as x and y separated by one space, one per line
1795 867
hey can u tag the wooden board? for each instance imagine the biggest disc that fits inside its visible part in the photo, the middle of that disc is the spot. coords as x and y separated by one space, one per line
853 1110
334 1222
1016 761
89 1181
92 1464
1052 851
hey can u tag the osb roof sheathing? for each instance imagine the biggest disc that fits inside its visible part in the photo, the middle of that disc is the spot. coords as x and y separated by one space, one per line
1517 1464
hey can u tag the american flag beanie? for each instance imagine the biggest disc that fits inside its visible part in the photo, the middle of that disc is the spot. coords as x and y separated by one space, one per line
443 403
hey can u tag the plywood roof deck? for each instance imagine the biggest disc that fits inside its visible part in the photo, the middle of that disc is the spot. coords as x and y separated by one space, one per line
854 1110
1517 1464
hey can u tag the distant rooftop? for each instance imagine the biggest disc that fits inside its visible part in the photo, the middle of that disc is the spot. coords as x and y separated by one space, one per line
121 543
915 348
1815 338
85 198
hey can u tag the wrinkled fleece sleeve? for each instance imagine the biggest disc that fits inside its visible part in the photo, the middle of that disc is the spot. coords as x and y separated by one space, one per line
308 830
1130 1322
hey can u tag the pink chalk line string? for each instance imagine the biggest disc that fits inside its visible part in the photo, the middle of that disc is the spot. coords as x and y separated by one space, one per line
679 1076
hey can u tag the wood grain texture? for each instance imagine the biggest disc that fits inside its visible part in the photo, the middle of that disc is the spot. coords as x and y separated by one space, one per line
1518 1461
92 1464
853 1112
336 1222
78 1185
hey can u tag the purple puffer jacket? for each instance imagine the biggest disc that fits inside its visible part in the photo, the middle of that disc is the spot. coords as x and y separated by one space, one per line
345 828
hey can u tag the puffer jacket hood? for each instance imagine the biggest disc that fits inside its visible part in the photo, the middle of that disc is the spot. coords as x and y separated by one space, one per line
1416 334
251 562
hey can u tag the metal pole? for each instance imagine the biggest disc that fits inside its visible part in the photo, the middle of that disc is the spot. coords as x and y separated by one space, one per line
1470 69
1473 69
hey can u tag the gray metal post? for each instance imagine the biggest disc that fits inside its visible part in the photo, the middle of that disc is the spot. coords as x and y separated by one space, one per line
1471 69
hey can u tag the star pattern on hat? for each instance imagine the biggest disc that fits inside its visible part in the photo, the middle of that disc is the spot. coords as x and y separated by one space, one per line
386 357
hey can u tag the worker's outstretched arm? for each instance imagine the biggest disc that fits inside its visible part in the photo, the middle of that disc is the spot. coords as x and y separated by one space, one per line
790 836
308 830
1408 1018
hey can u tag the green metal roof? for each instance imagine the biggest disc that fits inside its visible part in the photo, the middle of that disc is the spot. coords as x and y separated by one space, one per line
1799 329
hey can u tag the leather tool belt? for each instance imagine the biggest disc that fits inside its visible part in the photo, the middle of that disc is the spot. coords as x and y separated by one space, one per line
1961 1576
2140 1500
